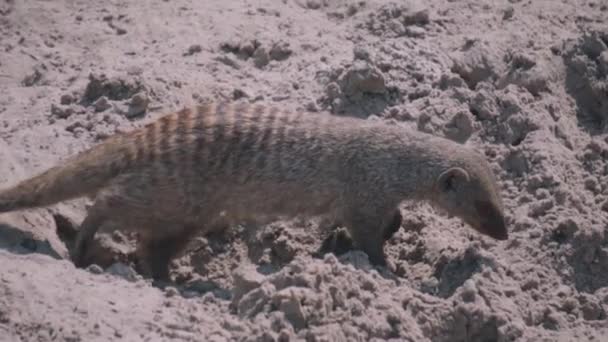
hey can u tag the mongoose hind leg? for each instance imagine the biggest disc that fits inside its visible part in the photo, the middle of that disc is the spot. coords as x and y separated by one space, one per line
367 228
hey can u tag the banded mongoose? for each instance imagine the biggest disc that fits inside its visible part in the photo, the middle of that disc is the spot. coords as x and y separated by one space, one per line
222 163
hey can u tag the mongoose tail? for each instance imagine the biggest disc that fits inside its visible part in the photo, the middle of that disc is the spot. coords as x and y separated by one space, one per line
78 176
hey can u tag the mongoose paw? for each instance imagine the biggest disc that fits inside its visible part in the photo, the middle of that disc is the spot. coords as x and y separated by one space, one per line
340 242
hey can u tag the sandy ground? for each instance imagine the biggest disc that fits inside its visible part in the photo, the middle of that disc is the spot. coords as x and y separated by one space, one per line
525 82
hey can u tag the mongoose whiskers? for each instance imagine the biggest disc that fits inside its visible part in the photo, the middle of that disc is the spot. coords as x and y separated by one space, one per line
231 162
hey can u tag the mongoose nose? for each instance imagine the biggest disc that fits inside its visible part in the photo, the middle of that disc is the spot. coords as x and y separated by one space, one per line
496 228
492 221
499 233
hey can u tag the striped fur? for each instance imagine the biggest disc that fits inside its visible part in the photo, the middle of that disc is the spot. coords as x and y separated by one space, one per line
222 163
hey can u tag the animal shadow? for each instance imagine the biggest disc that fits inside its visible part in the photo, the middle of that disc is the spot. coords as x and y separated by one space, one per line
18 241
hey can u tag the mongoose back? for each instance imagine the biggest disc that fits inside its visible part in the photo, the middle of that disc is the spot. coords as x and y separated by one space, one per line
222 163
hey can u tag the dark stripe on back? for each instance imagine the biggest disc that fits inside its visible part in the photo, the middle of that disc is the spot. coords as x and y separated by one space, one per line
203 113
166 149
242 129
279 140
220 132
183 127
219 128
291 144
182 135
125 144
235 117
117 161
314 136
140 147
247 151
262 148
116 167
150 145
150 142
128 159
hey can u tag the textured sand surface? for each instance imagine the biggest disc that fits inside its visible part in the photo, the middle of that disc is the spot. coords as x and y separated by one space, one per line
524 82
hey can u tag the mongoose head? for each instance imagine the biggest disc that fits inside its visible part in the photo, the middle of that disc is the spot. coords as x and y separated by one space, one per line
469 191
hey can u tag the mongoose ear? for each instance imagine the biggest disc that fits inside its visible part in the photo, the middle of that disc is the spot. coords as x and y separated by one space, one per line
449 179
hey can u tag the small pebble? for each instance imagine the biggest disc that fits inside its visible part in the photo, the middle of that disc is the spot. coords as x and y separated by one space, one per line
469 291
260 57
138 105
415 31
171 291
508 13
361 53
66 99
95 269
193 49
311 106
61 112
102 104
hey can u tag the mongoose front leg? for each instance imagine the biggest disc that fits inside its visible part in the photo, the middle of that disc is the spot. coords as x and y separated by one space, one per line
367 233
154 257
155 253
339 242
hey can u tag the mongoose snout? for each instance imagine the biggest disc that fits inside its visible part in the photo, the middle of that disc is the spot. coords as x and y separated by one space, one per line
238 162
470 192
492 221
